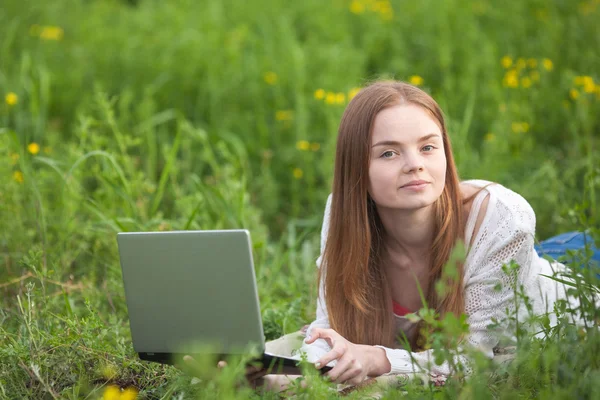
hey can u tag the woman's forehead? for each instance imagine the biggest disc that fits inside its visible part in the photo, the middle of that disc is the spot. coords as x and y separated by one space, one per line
403 123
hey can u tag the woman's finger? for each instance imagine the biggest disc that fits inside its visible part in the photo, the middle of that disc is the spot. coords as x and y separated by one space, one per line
314 335
352 376
336 353
320 333
221 364
341 368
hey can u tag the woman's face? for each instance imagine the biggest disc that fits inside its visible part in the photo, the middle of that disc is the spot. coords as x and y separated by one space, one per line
407 170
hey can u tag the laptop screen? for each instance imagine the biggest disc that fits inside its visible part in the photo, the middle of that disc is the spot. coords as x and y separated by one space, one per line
190 292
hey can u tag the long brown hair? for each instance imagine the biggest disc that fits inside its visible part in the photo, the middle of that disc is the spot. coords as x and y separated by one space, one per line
358 298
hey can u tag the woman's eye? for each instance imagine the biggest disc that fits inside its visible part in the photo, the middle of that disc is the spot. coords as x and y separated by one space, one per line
388 154
428 148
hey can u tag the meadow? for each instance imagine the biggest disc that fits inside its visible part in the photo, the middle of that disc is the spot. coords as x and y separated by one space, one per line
147 115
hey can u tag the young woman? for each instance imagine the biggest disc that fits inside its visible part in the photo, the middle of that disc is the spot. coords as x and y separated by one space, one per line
395 214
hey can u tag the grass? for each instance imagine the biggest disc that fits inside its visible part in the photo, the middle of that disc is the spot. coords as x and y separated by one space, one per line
146 115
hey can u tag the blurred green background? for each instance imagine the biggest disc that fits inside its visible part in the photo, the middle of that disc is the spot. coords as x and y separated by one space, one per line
162 115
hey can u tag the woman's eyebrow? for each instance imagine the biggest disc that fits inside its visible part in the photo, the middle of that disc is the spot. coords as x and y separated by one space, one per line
395 143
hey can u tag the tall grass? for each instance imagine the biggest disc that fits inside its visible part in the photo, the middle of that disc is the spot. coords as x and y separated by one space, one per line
121 116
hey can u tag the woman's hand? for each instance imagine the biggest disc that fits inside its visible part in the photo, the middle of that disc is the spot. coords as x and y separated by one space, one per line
355 362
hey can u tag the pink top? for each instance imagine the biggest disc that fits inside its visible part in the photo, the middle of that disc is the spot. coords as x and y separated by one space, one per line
399 310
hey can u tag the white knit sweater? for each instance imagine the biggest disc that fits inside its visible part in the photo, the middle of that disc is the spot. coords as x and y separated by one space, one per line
506 233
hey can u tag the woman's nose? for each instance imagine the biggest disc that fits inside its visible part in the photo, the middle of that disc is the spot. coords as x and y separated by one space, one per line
412 162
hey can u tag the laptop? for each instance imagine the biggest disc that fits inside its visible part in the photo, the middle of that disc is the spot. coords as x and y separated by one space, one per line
193 292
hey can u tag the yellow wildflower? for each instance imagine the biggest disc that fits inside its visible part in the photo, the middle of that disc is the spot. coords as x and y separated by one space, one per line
588 84
535 76
129 394
511 78
330 98
548 64
574 93
506 62
270 77
302 145
416 80
532 63
357 7
521 63
111 392
284 115
11 98
526 82
353 92
589 88
33 148
315 146
319 94
52 33
490 137
520 127
340 98
14 158
298 173
18 176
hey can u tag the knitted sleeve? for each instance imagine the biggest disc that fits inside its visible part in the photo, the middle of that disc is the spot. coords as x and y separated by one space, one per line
320 347
322 319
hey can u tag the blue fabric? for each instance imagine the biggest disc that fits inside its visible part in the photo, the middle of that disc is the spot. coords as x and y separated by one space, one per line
557 246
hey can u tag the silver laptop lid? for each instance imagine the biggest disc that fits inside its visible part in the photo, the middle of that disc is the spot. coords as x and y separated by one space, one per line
186 288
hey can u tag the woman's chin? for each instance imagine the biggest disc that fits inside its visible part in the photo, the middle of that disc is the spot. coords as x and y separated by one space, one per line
407 206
